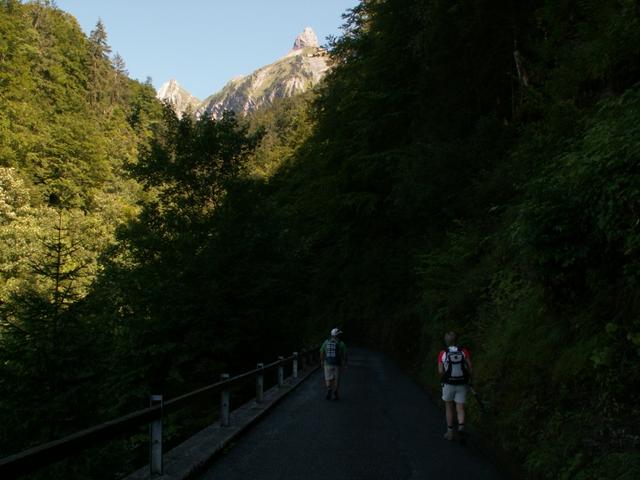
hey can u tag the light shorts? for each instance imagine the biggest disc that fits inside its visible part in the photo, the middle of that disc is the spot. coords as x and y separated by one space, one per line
454 393
331 372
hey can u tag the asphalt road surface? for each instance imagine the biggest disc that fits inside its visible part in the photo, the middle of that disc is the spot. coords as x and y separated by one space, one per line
383 427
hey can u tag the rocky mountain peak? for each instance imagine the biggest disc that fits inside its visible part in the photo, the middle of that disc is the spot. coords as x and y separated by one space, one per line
180 99
168 88
298 71
307 38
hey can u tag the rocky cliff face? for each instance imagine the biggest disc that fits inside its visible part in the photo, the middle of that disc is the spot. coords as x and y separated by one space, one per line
180 99
307 38
302 68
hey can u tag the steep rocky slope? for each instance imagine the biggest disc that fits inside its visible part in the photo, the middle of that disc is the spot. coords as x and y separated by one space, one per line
298 71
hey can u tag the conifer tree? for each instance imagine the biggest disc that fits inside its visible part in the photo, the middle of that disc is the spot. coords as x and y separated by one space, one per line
98 39
119 77
101 78
119 65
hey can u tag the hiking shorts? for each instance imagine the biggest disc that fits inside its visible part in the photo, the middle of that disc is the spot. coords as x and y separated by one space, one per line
331 372
454 393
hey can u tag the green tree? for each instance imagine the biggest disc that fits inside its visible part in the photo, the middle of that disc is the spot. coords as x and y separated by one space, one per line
48 270
100 83
119 77
98 39
173 322
63 192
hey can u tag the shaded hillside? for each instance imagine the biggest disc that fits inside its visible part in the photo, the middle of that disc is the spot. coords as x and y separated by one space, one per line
473 166
70 123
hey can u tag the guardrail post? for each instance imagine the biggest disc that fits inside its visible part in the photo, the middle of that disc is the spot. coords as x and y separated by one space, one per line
280 372
155 439
224 402
295 365
260 384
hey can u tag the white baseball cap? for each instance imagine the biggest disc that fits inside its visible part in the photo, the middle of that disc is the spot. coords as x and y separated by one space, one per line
335 332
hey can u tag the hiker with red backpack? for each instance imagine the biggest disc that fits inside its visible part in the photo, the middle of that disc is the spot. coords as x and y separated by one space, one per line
454 367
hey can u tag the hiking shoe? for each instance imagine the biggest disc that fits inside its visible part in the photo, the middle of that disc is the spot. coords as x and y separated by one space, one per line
448 435
328 394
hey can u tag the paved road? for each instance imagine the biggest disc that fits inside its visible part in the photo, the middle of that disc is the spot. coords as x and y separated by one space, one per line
384 427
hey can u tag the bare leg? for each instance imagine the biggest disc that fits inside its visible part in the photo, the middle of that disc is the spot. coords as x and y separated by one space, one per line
449 413
460 412
328 380
329 383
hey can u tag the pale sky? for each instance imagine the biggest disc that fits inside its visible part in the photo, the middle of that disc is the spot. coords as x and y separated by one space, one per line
205 43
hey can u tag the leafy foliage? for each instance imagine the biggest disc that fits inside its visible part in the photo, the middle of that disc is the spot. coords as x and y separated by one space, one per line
63 192
472 167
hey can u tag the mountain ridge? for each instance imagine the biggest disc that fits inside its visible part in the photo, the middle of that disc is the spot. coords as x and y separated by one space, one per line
303 67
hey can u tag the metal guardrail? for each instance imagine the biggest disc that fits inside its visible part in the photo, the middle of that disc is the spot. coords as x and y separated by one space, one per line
35 458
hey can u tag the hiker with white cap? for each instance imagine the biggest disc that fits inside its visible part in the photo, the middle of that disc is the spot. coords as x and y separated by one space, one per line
333 356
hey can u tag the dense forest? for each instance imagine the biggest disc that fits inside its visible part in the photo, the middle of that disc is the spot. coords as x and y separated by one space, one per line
467 164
